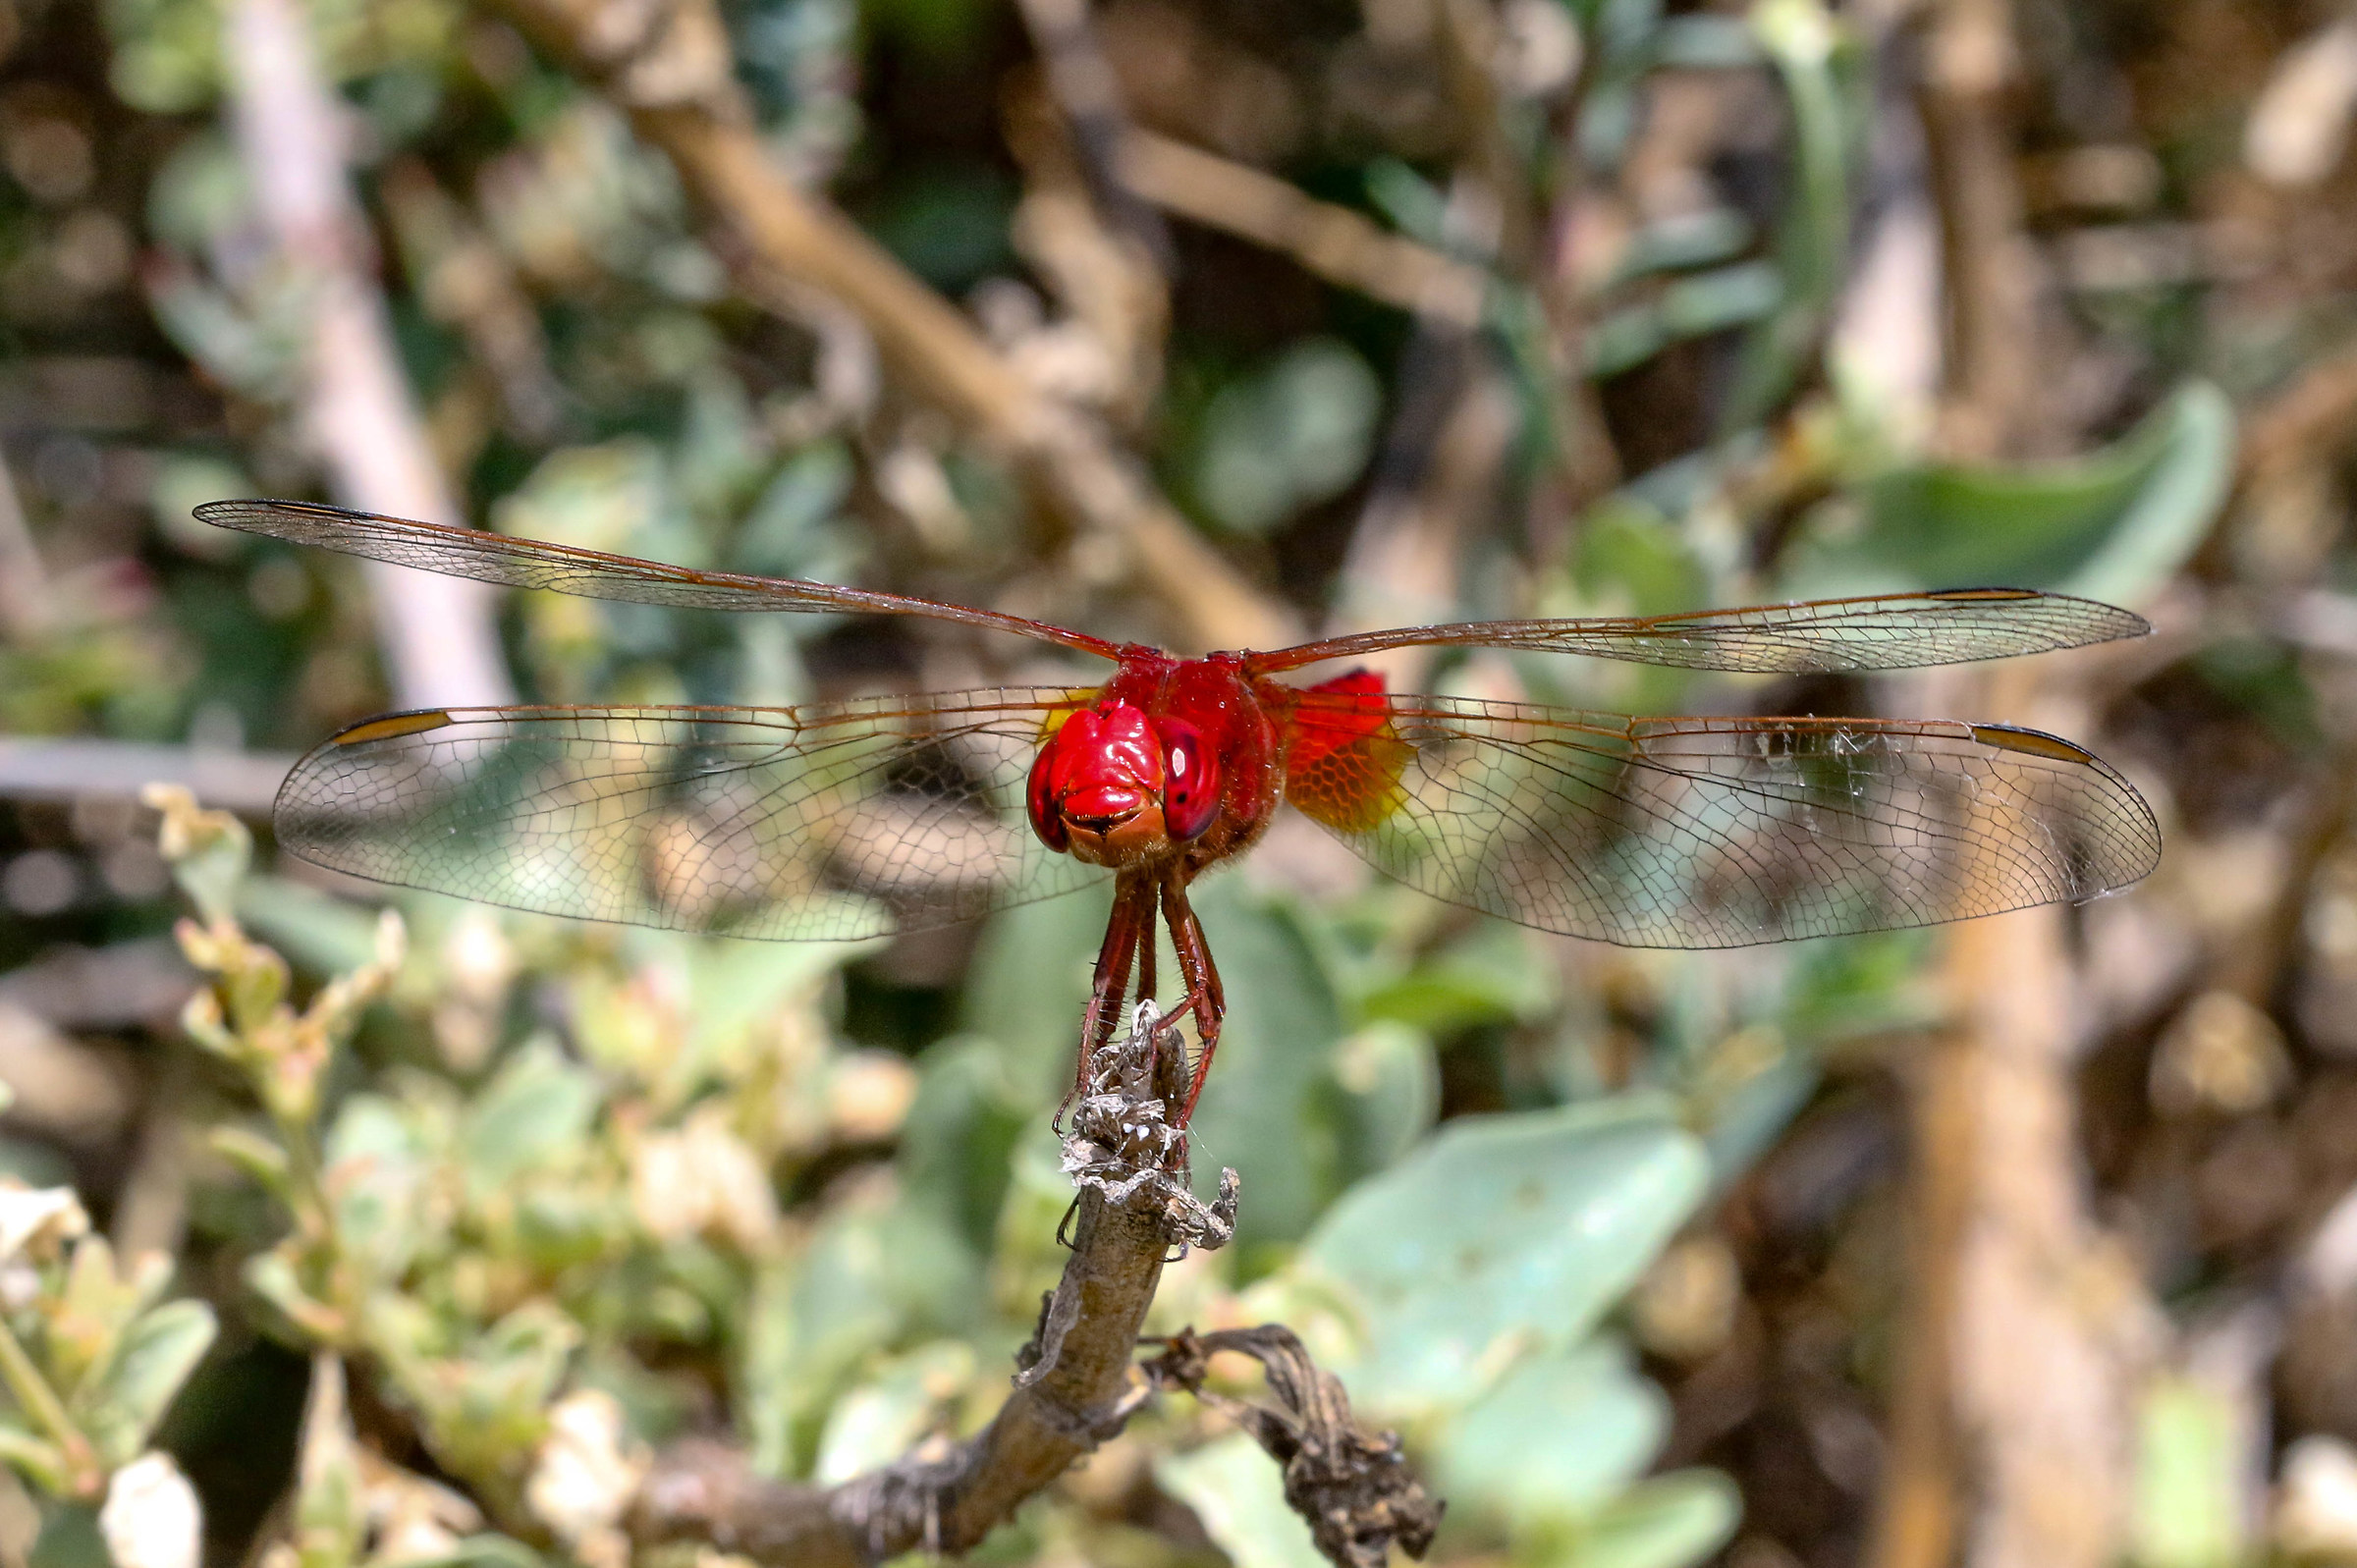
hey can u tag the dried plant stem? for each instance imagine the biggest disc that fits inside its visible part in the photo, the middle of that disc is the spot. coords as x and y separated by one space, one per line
242 781
440 642
1077 1392
667 67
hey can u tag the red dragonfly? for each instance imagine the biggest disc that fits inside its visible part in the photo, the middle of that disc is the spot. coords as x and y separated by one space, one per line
855 819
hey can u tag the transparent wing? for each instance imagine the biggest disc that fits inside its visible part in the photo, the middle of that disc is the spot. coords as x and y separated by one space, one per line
1712 833
1888 631
831 821
591 573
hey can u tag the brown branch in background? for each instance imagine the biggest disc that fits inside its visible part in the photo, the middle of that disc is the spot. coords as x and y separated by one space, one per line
1436 475
440 642
2057 1334
1331 241
1968 71
1493 198
667 67
2312 416
1916 1514
1465 33
2028 1333
2027 1330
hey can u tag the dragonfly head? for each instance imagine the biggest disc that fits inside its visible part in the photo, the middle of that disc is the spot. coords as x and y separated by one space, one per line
1114 788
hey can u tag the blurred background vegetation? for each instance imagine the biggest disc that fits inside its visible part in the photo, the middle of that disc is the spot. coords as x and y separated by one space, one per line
335 1238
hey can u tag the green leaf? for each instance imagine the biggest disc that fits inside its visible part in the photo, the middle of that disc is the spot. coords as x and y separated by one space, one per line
1387 1092
783 535
154 1359
1814 59
380 1163
34 1457
1029 982
870 1273
1503 1237
2111 525
1557 1437
1669 1522
330 1516
1259 1111
536 1108
485 1550
1711 302
322 934
219 852
258 1155
961 1134
1292 435
69 1539
885 1417
2191 1454
1237 1493
486 1405
1489 976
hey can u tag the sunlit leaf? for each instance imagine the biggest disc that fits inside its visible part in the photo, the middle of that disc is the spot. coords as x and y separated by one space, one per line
1284 1020
885 1416
1669 1522
150 1365
2111 525
1557 1437
536 1107
1387 1092
1504 1236
2192 1463
1288 436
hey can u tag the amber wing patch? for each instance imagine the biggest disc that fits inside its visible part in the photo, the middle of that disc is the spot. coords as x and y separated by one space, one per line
1345 759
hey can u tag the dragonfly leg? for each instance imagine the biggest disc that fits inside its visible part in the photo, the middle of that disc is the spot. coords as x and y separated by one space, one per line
1132 916
1201 976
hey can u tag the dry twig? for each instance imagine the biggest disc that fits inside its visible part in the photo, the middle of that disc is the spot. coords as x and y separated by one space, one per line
1078 1390
1352 1486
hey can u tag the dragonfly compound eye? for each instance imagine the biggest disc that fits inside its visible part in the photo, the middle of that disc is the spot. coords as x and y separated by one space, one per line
1190 791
